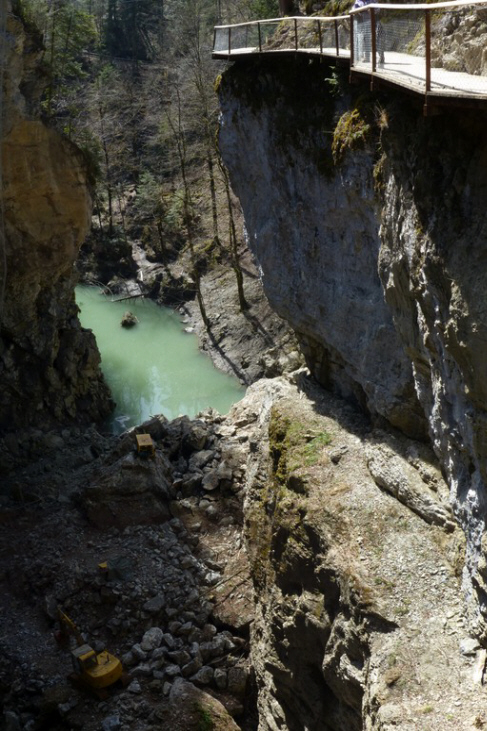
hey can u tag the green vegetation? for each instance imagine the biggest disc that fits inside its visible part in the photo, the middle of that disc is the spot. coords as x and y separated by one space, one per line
263 9
311 451
205 721
336 7
350 133
67 30
293 445
335 82
132 84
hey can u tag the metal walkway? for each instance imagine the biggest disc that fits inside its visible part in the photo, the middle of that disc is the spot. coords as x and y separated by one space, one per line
438 51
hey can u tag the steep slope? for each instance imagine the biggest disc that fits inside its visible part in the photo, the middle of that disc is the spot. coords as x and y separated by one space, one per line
49 366
368 221
359 621
433 268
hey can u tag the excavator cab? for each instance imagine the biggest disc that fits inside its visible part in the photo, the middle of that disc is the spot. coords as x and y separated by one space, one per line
97 670
84 658
145 445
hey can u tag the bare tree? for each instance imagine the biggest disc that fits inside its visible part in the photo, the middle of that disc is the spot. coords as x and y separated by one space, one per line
244 305
180 140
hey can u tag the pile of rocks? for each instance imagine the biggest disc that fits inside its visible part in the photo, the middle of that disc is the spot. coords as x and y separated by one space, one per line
146 592
198 654
459 41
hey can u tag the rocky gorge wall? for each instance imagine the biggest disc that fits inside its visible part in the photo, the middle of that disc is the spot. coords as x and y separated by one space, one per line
368 222
317 235
49 366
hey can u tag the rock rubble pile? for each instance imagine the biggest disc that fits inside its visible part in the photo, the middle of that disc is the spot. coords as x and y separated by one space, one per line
145 555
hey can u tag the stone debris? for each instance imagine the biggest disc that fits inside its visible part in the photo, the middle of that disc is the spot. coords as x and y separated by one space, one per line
395 473
137 559
358 606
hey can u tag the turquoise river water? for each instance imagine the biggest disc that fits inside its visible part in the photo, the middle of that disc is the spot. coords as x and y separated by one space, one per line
154 367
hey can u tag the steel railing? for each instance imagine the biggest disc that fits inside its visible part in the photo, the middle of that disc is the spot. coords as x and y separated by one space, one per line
437 49
327 35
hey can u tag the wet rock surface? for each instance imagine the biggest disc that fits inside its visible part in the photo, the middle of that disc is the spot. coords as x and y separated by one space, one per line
129 320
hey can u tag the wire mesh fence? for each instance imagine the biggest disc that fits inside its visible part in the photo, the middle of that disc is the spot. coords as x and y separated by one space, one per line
282 35
236 39
391 42
433 48
328 36
438 47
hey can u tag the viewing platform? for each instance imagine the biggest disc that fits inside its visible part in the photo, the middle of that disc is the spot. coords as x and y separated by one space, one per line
437 50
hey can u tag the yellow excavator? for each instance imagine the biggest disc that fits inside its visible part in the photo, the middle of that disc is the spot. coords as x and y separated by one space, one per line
94 670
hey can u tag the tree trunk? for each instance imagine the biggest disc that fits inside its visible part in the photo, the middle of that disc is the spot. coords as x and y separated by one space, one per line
214 207
50 88
244 305
98 213
109 189
181 148
286 7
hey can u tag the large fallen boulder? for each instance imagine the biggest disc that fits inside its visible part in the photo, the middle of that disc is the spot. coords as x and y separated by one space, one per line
131 491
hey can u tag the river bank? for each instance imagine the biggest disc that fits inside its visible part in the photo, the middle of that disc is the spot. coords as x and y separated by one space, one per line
280 517
252 344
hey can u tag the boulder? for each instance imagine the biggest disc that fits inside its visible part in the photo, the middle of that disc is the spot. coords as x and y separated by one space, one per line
191 708
152 639
129 320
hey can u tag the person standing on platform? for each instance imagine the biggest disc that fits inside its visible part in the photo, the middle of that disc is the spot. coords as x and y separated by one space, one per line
363 35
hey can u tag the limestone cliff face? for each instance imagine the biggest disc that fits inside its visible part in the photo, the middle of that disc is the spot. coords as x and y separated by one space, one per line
49 366
433 267
378 262
315 232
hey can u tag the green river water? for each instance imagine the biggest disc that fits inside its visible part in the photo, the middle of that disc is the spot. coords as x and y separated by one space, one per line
154 367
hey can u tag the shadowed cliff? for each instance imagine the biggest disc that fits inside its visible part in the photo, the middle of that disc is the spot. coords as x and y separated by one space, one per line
49 366
368 222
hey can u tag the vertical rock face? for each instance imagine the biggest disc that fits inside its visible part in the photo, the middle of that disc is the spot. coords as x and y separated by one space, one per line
315 233
434 269
49 366
385 284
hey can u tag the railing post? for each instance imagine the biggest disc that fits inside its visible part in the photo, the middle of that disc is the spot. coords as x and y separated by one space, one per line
260 38
427 31
373 39
320 36
295 34
337 42
214 39
352 43
229 40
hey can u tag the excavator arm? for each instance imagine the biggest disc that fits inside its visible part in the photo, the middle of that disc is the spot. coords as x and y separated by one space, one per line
68 627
